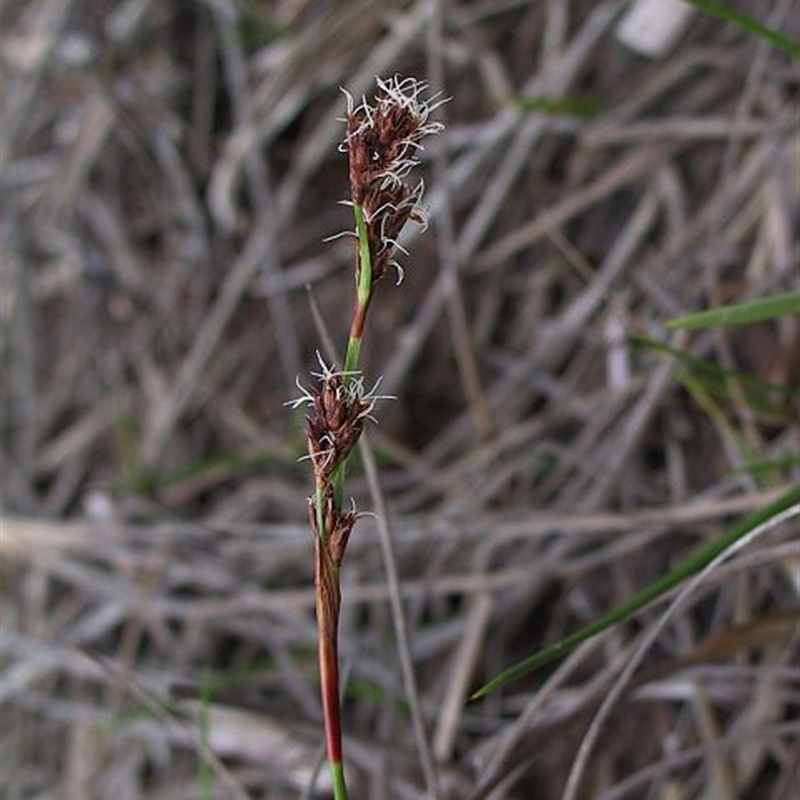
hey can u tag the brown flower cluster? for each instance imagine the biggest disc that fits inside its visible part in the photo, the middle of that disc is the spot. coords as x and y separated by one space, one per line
382 141
335 423
338 408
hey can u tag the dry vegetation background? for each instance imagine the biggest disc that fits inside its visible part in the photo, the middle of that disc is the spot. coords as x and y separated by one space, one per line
169 170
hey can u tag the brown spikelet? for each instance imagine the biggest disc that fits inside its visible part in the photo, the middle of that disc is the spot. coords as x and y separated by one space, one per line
382 142
334 424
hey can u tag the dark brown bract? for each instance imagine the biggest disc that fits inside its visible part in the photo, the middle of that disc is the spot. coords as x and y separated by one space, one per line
336 525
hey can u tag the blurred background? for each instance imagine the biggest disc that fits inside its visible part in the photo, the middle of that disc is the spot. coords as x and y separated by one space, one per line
169 173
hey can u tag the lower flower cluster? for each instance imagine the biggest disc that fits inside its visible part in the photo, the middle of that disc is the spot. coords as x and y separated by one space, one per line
338 407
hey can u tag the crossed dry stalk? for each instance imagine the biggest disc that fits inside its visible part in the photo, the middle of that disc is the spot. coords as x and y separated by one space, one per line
382 142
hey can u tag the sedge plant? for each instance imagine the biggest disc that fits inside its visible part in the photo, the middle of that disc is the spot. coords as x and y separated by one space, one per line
382 140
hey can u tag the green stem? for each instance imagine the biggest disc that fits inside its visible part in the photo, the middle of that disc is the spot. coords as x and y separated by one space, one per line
363 296
365 260
353 351
337 774
363 292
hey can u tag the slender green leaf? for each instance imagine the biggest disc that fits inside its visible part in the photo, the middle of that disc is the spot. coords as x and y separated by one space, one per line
778 305
219 468
788 461
643 598
785 43
711 369
560 106
763 396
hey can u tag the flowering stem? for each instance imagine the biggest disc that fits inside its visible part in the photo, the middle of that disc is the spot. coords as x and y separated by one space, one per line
381 142
328 584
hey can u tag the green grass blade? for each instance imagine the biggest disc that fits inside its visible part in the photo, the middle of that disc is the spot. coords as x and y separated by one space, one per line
763 396
705 401
643 598
764 308
575 106
716 374
756 467
784 43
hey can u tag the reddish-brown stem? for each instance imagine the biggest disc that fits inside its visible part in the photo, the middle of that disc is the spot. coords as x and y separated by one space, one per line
359 317
329 690
327 585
